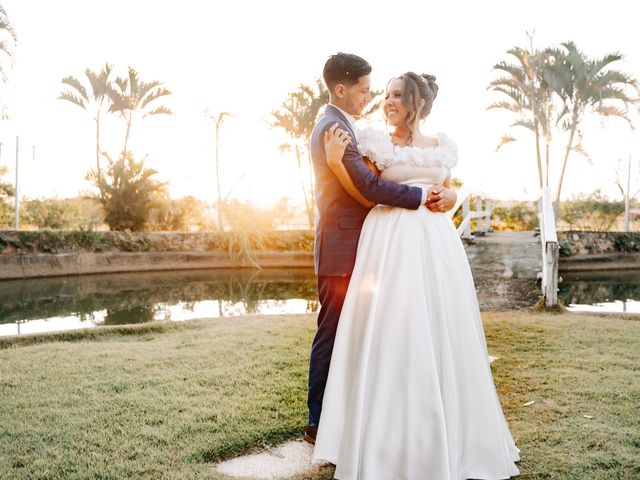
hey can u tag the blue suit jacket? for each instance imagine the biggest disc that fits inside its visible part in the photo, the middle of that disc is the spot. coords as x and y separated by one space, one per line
340 217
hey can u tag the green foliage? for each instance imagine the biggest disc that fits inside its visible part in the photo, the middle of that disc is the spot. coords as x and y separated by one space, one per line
245 215
54 241
127 192
515 216
6 196
47 214
551 91
297 116
628 242
298 113
593 212
250 226
8 40
89 239
196 392
131 98
86 238
178 215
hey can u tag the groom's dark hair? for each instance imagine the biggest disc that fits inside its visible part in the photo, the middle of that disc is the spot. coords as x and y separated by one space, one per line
345 68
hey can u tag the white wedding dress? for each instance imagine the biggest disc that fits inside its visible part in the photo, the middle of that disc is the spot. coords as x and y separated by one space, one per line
410 394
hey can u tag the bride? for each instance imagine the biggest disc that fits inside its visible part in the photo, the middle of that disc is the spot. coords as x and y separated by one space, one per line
410 393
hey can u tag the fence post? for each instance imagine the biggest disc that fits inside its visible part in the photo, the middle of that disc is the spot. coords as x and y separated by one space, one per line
487 214
478 217
466 210
550 250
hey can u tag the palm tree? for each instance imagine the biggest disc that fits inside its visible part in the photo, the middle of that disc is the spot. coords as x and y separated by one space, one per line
94 102
297 116
219 119
133 97
7 39
529 86
589 86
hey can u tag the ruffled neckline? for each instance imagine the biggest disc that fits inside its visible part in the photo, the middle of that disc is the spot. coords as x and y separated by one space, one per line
377 145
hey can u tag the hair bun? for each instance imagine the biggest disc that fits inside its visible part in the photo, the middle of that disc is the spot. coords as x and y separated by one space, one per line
429 78
431 83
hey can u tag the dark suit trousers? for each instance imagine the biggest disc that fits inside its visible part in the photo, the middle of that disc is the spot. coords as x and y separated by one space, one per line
331 292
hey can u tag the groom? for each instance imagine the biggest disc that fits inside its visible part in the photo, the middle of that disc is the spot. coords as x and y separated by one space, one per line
340 217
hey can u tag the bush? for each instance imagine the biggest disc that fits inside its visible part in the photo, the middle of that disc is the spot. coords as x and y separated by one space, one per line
52 214
6 196
593 212
127 192
515 216
178 215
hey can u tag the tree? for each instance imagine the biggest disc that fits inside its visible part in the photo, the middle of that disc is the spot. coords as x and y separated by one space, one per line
528 84
219 119
553 90
589 86
297 116
8 40
127 192
133 98
94 102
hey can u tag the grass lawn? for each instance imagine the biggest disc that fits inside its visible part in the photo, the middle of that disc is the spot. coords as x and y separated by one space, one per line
169 400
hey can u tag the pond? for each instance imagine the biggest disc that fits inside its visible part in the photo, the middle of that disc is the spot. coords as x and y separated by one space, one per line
63 303
601 291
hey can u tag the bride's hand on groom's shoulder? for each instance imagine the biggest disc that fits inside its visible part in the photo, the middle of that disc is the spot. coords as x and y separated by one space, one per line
335 143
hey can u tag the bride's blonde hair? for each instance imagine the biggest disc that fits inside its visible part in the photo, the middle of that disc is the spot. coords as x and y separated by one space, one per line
415 88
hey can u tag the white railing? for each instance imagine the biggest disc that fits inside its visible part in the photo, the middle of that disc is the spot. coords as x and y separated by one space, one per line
550 252
482 216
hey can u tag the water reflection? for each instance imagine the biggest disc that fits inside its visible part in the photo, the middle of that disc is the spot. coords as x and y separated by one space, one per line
604 291
63 303
28 306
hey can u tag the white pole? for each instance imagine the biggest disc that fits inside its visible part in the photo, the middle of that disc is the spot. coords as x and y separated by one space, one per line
17 203
466 214
627 199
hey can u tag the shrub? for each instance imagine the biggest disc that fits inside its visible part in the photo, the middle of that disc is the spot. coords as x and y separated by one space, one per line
127 192
517 216
593 212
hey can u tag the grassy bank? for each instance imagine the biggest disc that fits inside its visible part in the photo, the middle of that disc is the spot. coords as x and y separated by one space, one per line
160 401
234 241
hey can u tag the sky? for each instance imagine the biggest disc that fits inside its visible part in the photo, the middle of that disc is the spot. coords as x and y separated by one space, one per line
245 56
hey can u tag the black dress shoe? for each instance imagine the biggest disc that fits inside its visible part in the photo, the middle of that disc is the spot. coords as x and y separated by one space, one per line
310 434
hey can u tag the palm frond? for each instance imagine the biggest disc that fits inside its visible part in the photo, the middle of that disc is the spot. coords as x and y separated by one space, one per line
119 103
506 138
612 111
100 82
516 95
525 123
70 97
77 85
516 72
512 107
122 83
159 111
134 81
161 92
579 149
600 63
6 25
